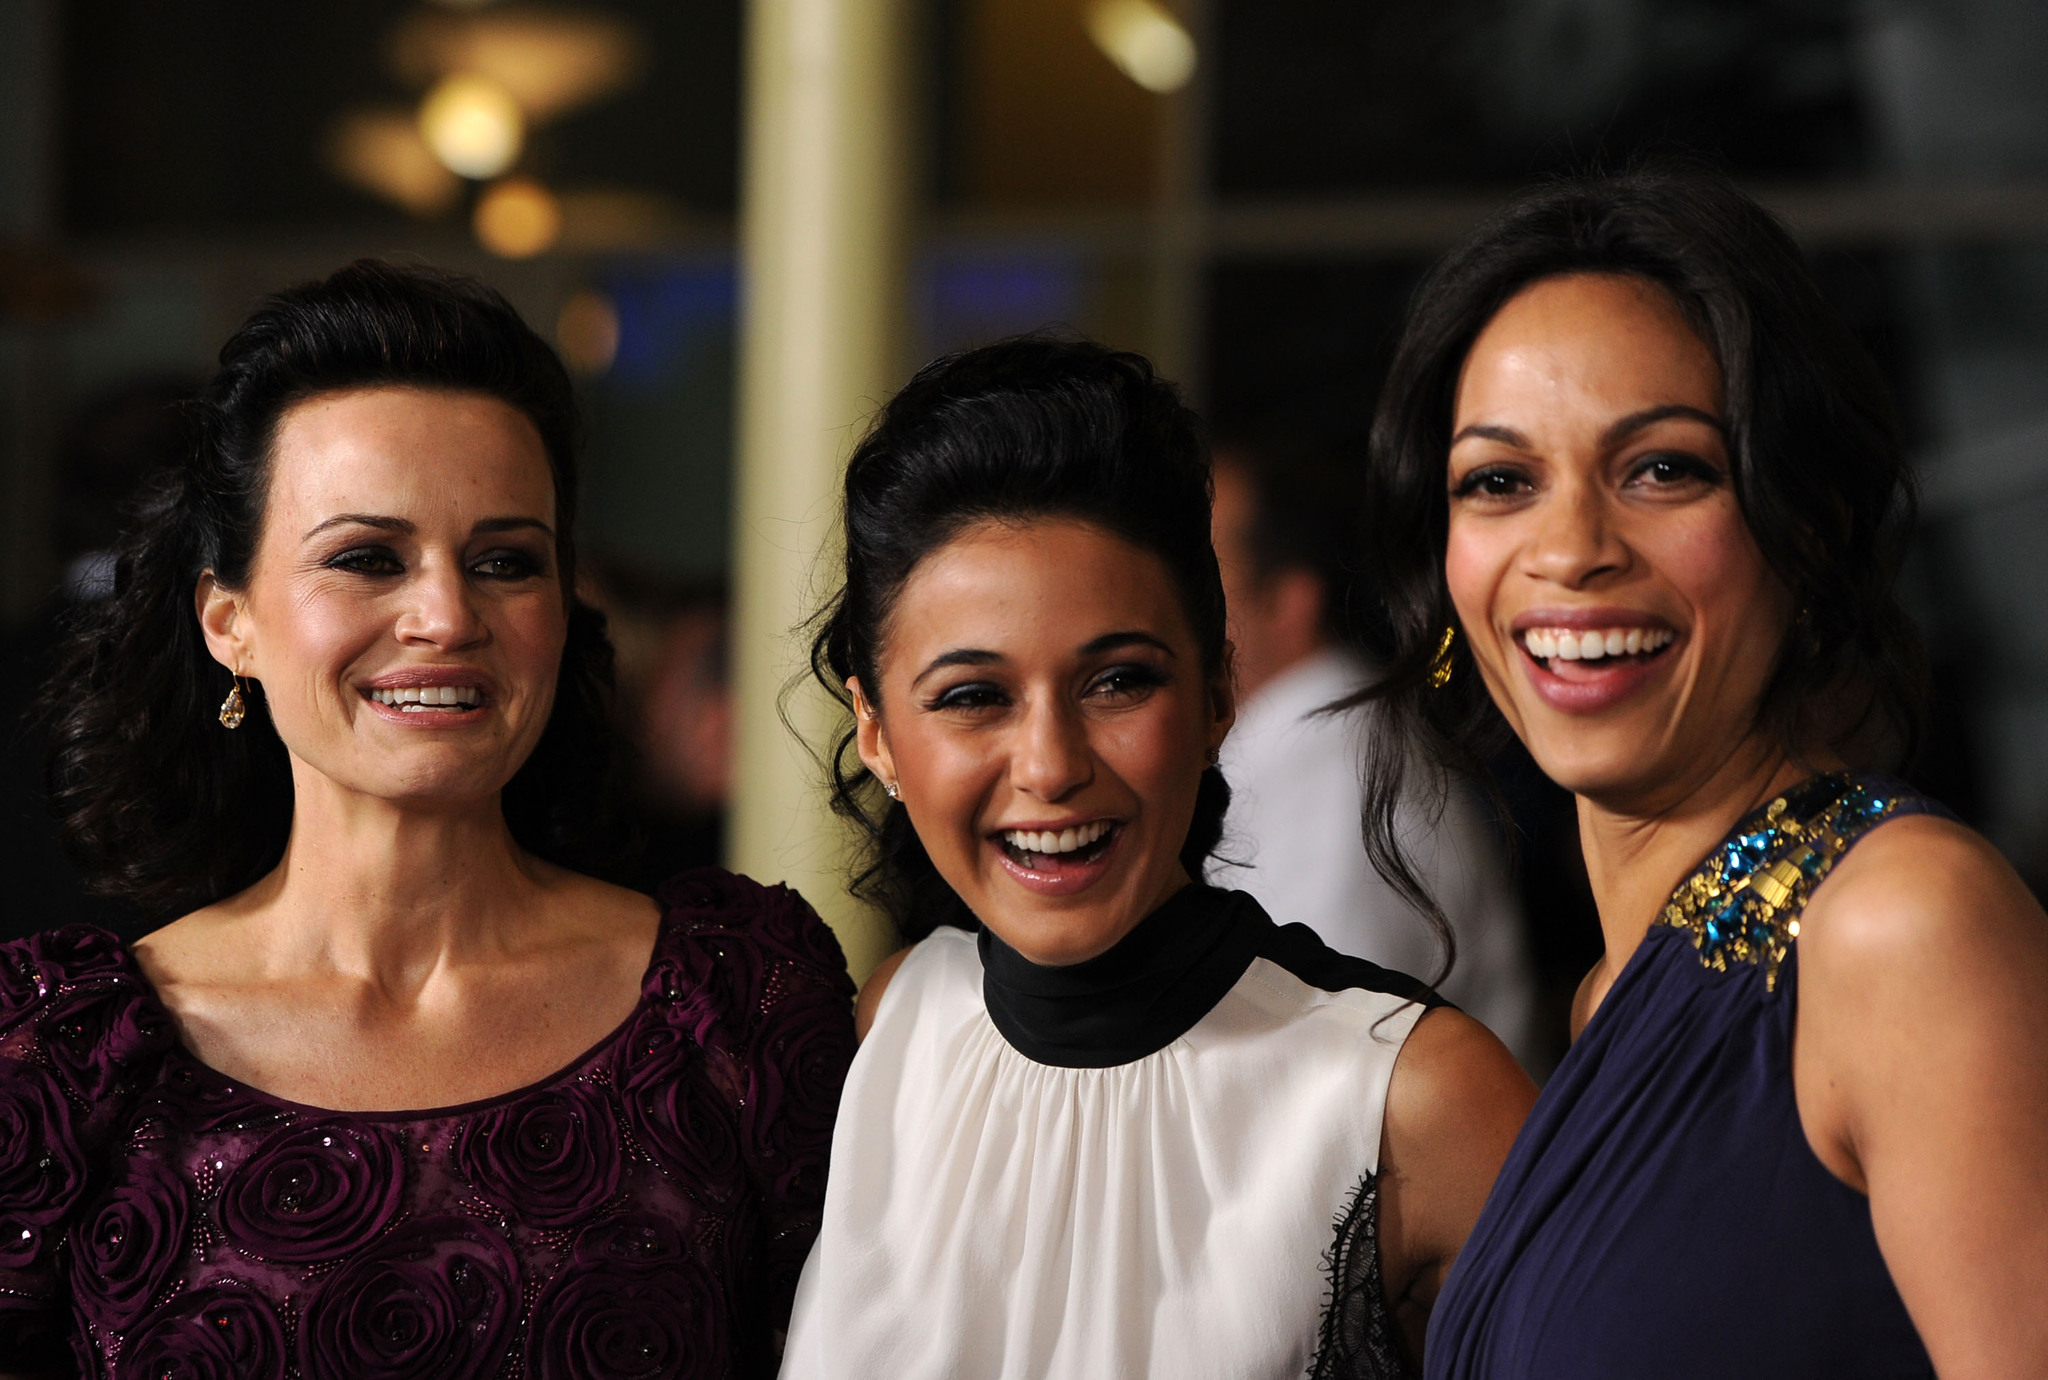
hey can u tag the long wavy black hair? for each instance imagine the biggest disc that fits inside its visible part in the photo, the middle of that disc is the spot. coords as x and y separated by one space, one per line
1814 443
159 803
1041 426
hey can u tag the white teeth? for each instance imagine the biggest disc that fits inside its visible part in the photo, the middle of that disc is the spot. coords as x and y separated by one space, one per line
1568 644
414 697
1064 841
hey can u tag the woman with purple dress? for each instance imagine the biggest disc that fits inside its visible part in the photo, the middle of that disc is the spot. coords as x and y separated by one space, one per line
405 1090
1639 500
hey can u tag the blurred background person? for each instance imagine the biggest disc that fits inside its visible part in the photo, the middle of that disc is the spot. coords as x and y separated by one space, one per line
1286 531
675 706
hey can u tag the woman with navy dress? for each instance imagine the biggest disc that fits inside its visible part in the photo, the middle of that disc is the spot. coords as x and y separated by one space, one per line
401 1089
1639 500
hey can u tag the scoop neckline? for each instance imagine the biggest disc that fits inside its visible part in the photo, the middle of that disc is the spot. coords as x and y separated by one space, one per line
458 1109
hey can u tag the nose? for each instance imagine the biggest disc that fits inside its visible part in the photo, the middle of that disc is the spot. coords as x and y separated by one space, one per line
1052 758
441 609
1577 540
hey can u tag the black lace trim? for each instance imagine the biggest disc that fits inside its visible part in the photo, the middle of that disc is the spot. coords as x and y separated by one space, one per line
1357 1335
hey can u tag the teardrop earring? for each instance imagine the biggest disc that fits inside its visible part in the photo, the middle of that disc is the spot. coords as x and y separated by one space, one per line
1440 667
234 708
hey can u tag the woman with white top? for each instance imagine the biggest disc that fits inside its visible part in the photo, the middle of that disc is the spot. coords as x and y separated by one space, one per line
1106 1121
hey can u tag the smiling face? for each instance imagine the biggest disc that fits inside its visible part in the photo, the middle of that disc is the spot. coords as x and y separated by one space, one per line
404 611
1615 600
1046 716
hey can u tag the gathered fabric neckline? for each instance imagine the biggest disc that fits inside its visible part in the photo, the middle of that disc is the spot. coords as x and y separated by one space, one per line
1145 992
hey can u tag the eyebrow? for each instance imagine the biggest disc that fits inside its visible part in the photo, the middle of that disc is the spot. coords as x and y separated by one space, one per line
1626 426
1636 421
405 528
977 656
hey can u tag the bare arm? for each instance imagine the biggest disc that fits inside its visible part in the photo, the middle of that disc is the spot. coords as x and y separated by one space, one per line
1921 1068
870 999
1457 1099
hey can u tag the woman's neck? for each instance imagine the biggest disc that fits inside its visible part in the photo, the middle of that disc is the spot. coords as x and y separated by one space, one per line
387 892
1638 850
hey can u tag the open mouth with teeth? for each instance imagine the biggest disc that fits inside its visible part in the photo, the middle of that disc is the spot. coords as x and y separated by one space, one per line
1050 850
1551 646
430 699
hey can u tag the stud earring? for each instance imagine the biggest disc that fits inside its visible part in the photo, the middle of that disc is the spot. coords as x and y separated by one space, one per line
1440 667
234 708
893 792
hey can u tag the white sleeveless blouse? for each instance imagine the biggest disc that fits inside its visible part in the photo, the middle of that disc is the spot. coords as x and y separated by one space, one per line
1138 1166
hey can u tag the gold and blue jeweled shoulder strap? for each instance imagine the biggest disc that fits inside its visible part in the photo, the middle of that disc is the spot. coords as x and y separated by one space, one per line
1742 904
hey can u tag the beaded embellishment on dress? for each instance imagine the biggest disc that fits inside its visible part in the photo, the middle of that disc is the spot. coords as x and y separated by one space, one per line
1743 903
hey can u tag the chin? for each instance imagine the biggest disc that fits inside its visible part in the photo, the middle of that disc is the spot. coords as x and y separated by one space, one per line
1056 939
1602 766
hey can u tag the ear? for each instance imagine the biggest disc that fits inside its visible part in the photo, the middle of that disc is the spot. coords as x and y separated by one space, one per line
1222 705
221 623
870 739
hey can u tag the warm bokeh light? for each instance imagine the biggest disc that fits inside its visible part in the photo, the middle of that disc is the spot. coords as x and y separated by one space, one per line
381 152
518 218
473 125
587 332
1145 41
548 60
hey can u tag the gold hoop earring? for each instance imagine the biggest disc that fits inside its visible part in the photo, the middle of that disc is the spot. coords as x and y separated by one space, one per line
1440 666
234 708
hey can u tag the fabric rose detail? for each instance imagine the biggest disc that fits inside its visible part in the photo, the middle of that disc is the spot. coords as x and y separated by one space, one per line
632 1302
193 1099
42 1170
434 1299
311 1192
550 1158
75 952
21 987
221 1332
787 927
672 1108
796 1067
124 1247
95 1035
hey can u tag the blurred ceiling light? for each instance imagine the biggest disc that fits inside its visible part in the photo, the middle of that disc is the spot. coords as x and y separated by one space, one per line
1145 40
518 218
473 125
549 60
588 332
381 152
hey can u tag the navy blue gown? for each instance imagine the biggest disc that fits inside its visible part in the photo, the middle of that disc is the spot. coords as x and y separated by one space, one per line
1661 1214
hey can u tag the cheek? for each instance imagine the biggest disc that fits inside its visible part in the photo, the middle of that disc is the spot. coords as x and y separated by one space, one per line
320 631
1474 556
1158 751
1715 562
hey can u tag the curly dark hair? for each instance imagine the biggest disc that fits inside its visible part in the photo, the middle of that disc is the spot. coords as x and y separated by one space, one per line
1038 426
157 803
1814 443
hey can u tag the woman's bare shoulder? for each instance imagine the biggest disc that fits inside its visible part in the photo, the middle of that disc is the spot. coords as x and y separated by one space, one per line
870 999
1922 890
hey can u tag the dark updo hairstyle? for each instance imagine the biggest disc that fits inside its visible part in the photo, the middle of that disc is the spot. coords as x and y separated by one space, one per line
1812 437
158 802
1041 426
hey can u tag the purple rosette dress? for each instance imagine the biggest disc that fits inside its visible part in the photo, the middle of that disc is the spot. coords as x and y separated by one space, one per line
643 1212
